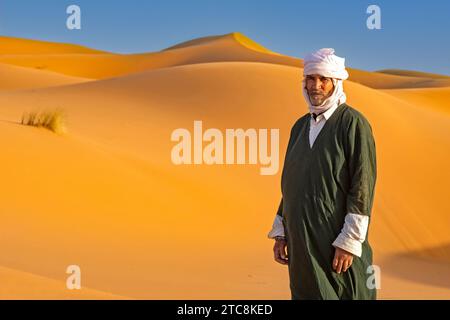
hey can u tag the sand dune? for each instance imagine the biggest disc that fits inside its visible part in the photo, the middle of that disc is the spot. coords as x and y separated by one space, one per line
377 80
230 47
119 217
428 98
107 197
410 73
12 46
236 36
19 78
22 285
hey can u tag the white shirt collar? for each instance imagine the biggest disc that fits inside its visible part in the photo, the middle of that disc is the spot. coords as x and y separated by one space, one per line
327 114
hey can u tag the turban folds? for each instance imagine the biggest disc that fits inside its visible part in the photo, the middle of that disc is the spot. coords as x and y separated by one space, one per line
325 63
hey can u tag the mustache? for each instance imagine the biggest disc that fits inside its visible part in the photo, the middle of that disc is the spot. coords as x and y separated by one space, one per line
317 93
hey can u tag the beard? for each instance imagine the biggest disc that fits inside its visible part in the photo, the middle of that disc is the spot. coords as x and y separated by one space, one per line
317 98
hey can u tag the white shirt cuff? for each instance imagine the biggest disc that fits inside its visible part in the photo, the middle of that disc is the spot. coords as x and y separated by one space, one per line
277 228
353 234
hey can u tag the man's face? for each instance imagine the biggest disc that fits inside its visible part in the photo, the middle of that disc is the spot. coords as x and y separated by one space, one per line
319 88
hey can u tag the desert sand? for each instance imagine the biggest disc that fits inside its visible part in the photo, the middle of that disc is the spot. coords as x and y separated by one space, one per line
106 196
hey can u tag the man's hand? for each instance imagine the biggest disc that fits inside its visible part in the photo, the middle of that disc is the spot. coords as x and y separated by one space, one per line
279 250
342 260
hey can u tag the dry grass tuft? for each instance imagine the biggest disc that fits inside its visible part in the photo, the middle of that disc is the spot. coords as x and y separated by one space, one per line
54 121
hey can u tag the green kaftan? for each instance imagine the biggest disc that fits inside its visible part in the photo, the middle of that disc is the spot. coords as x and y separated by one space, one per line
320 185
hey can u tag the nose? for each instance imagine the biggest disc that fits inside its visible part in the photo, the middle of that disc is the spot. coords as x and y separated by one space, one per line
317 84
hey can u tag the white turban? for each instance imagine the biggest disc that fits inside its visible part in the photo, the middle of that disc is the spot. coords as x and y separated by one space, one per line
325 63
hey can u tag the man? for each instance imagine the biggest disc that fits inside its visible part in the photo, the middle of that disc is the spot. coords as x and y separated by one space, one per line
327 186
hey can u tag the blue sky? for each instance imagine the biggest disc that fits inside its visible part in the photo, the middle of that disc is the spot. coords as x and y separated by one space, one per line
414 34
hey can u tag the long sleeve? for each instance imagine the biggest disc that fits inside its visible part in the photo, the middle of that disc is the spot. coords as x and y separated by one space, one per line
353 234
361 158
277 226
